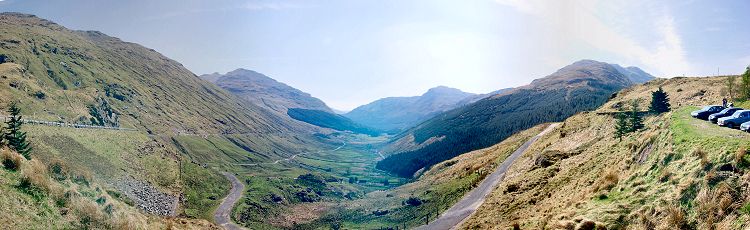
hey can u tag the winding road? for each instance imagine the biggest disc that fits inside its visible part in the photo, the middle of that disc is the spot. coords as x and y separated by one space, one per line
454 217
223 213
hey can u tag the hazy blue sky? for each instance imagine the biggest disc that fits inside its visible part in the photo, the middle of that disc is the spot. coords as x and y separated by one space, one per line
349 53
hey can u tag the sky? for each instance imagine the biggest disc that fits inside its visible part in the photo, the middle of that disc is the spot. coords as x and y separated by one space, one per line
349 53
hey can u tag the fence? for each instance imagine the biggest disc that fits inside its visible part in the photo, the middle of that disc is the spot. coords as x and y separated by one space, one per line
64 124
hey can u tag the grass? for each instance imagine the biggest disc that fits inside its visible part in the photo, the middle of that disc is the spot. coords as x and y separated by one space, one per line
676 172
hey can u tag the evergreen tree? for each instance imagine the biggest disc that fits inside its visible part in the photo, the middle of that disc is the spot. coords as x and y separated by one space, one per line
13 136
659 101
745 85
621 126
634 117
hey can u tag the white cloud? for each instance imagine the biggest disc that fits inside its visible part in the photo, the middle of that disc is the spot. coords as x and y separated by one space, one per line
578 21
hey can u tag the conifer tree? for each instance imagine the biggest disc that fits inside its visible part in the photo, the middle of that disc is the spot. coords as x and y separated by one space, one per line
13 136
659 101
621 125
634 117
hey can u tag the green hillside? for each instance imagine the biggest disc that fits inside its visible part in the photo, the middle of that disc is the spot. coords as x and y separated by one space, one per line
330 120
677 173
582 86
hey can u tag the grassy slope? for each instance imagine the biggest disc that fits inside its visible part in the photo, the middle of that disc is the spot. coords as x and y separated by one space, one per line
439 187
148 92
70 203
655 178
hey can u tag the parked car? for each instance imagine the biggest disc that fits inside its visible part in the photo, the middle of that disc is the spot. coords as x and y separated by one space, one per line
724 113
706 111
735 120
745 126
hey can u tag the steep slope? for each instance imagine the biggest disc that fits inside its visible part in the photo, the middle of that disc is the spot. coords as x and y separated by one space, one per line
397 113
88 77
329 120
265 91
581 86
677 173
182 124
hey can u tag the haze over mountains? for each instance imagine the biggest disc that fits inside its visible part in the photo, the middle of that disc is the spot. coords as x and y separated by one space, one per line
581 86
398 113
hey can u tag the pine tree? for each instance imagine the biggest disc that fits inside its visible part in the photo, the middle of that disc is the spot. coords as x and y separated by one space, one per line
621 126
659 101
745 85
634 117
13 136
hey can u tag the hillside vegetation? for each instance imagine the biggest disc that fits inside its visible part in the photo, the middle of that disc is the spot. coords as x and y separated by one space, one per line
436 190
582 86
677 173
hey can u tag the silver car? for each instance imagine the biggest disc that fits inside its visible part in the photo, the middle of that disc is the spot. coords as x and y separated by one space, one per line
745 126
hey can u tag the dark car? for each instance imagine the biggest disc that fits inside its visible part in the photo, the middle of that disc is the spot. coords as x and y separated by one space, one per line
713 118
706 111
735 120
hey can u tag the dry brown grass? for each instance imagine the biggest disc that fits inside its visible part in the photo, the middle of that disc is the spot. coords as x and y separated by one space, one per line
675 217
34 175
665 175
10 160
608 180
739 157
702 155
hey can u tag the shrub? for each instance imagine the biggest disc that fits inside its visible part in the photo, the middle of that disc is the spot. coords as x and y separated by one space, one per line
413 201
34 176
10 160
58 170
608 181
88 213
675 217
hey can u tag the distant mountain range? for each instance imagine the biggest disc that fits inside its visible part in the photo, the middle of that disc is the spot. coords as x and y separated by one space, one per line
265 91
398 113
581 86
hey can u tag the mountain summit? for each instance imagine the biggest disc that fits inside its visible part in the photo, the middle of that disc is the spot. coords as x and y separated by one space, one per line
265 91
581 86
397 113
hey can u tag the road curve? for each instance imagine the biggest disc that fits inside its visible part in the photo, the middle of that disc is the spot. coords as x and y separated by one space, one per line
222 214
453 217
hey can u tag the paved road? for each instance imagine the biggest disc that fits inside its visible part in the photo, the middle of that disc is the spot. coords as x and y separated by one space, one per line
453 217
221 216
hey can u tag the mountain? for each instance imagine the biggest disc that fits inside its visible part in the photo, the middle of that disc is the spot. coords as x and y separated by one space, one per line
265 91
397 113
181 129
581 86
88 77
635 74
329 120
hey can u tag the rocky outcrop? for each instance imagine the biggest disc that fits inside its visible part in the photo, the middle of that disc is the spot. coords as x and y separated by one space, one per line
149 199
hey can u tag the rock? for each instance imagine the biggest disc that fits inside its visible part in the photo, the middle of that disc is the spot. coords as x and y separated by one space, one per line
147 198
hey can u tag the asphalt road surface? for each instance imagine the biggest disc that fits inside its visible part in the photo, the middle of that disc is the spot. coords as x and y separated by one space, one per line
453 217
221 216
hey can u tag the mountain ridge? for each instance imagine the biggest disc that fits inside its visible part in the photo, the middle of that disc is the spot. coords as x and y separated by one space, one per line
397 113
581 86
265 91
